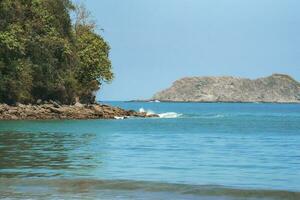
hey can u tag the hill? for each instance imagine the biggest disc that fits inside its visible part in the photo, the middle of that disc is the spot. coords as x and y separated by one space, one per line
277 88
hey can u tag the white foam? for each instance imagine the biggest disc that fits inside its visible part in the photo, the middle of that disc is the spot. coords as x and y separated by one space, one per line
169 115
154 101
116 117
207 116
214 116
161 115
142 110
149 112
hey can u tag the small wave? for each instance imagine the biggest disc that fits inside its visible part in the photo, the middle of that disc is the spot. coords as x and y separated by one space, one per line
201 116
175 190
154 101
213 116
161 115
169 115
116 117
149 112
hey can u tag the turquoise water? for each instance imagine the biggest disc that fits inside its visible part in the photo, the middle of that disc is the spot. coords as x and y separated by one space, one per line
194 151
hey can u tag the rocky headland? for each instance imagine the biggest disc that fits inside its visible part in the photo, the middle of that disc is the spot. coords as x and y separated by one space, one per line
277 88
53 110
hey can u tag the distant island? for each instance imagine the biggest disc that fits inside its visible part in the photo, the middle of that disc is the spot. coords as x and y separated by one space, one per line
277 88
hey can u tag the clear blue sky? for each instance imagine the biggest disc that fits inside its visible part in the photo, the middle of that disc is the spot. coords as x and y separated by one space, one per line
155 42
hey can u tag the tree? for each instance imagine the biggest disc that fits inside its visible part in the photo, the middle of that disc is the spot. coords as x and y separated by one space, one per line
44 56
93 52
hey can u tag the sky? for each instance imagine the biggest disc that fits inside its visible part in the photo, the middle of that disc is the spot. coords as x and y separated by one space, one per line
155 42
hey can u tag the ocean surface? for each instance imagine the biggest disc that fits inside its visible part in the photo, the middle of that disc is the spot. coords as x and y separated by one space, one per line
192 151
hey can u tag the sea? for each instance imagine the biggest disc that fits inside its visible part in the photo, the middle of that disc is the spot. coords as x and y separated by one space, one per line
192 151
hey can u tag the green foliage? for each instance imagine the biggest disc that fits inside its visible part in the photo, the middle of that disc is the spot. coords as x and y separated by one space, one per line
44 56
97 65
16 82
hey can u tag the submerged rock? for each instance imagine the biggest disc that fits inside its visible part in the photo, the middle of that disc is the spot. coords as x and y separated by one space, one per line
56 111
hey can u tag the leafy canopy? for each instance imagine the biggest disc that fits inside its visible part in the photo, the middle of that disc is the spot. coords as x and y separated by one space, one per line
44 56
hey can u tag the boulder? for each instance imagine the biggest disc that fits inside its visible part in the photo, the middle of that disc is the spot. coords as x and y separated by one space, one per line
77 104
39 102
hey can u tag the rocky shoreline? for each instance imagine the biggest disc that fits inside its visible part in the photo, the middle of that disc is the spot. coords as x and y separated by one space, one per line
55 111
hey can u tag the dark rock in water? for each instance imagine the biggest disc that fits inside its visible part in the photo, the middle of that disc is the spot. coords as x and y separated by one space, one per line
278 88
53 110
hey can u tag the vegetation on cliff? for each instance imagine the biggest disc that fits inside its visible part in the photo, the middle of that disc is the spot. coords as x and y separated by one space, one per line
45 55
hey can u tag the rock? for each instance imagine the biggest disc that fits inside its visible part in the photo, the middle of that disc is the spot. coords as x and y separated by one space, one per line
53 111
97 108
56 105
17 104
3 108
39 102
277 88
77 104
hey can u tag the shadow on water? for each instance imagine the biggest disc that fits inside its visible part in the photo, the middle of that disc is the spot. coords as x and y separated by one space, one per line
44 154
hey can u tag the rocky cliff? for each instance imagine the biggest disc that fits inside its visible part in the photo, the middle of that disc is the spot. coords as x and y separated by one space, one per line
278 88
